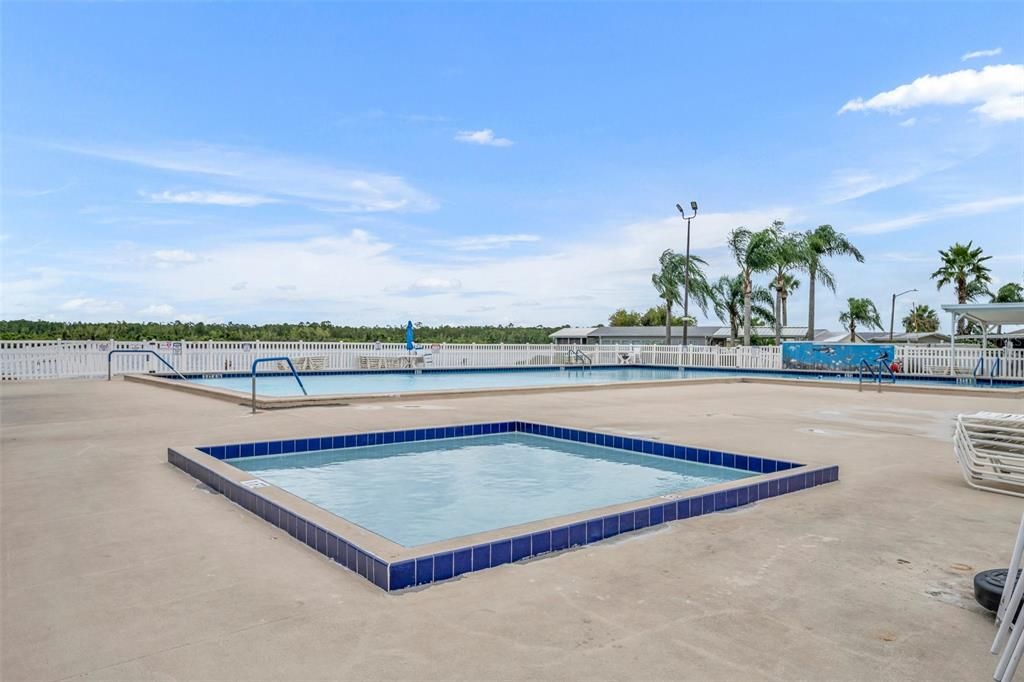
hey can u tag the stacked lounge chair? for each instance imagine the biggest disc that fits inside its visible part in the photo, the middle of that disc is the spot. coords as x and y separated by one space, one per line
990 449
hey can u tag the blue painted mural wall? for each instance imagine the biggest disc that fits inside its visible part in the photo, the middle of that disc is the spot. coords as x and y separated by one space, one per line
837 357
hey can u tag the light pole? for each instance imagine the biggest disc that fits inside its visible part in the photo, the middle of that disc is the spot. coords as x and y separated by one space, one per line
892 312
686 277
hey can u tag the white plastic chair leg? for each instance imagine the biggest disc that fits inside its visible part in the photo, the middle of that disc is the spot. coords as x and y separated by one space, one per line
1012 604
1011 576
1010 659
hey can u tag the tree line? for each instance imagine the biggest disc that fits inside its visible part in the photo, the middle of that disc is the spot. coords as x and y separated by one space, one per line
301 331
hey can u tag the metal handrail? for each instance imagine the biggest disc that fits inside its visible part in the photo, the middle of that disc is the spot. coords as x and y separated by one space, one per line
584 359
290 365
135 350
882 364
979 366
860 374
996 369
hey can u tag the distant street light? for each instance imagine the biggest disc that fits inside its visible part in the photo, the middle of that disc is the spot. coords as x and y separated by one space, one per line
686 278
892 313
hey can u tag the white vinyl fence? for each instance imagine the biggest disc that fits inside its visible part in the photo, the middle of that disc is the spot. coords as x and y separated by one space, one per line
21 360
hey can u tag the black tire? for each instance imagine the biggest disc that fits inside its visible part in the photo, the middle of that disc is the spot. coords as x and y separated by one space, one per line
988 588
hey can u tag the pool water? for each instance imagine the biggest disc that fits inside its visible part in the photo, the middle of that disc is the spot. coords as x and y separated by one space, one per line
352 383
416 493
407 382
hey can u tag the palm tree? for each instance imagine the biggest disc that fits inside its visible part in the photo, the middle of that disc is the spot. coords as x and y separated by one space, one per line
963 267
789 284
1009 293
787 255
859 311
921 318
672 276
754 252
821 243
727 298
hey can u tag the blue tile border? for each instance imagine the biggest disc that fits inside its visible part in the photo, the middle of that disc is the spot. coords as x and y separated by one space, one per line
428 569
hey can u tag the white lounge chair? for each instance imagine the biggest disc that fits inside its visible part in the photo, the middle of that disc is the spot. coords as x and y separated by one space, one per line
989 447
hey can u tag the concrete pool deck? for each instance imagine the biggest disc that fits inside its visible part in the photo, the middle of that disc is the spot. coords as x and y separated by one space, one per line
118 566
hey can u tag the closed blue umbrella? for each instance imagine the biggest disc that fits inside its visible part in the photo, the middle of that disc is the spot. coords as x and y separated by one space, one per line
409 343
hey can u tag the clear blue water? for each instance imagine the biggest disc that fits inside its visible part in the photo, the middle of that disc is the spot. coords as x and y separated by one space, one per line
409 382
415 493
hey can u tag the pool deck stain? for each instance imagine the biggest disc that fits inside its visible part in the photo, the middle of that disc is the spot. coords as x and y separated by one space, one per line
118 566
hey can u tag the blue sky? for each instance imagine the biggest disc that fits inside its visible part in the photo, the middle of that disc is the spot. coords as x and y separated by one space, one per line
489 163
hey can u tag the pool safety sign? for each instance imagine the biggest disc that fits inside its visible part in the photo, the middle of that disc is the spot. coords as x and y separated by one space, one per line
835 357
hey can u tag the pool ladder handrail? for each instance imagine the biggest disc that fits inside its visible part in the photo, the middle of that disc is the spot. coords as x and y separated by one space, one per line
110 356
585 360
278 359
877 377
994 370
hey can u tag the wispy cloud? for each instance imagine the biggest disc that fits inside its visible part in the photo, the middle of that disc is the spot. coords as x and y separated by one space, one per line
977 54
487 242
374 115
848 184
208 198
998 92
265 174
91 306
34 193
160 310
484 137
436 284
967 208
168 258
908 123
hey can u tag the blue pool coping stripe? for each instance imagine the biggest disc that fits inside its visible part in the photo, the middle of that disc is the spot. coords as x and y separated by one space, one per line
752 463
427 569
770 373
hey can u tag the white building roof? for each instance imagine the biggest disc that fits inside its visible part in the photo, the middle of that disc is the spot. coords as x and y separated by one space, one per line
989 313
573 333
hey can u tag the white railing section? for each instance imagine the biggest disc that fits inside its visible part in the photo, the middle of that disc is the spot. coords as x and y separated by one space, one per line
22 360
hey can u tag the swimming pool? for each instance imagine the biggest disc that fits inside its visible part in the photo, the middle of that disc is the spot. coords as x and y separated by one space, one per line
573 487
356 383
420 492
366 382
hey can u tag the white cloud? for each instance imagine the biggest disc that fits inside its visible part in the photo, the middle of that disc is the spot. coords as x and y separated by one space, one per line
908 123
166 258
485 137
91 306
853 183
488 241
982 53
966 208
998 92
436 284
207 198
161 310
359 278
318 184
846 185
